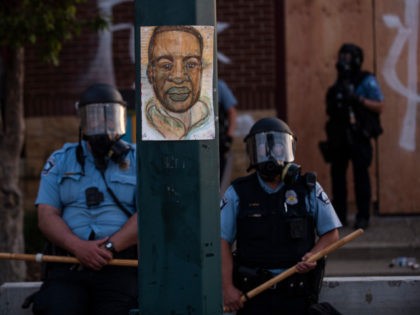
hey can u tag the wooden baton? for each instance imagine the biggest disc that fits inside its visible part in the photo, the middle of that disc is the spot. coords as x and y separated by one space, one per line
63 259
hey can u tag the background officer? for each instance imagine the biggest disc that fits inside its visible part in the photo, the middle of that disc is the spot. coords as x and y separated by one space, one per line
227 122
87 209
354 103
273 215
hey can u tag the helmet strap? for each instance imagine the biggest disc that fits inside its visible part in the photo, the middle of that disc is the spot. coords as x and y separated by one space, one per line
80 157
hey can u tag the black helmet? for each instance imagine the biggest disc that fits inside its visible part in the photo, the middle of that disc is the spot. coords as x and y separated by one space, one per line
100 93
102 111
270 145
269 124
353 65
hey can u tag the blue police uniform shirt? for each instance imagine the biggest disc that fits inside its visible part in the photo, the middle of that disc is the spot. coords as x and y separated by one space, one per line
63 186
225 95
370 89
317 202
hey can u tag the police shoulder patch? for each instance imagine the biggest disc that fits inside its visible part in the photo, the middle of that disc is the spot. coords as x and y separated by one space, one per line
223 203
48 166
323 197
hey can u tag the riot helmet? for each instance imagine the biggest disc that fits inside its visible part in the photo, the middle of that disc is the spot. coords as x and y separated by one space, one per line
270 145
102 112
350 59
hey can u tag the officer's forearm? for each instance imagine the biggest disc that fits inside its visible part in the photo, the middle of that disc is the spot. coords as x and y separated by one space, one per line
127 235
374 106
326 240
55 229
227 264
231 113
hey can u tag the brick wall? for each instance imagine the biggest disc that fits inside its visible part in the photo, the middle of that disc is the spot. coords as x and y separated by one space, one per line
51 90
43 136
250 43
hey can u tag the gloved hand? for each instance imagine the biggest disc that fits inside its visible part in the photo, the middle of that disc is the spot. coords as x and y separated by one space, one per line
350 96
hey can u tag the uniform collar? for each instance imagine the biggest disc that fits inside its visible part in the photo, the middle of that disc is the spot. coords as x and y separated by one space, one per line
268 188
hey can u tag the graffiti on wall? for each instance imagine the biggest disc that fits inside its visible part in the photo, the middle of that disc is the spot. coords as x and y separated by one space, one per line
407 33
103 58
220 27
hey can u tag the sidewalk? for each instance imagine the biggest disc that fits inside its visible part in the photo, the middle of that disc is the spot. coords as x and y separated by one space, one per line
386 238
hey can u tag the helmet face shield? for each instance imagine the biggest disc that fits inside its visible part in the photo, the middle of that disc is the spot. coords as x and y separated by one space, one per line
271 146
103 119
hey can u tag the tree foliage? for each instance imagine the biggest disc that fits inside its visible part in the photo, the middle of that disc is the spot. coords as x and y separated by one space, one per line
46 23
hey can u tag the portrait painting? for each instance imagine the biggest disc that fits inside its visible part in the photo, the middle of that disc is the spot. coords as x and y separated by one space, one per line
177 82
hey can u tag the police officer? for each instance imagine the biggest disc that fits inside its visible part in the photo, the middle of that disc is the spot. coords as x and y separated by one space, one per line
227 122
274 215
354 103
86 208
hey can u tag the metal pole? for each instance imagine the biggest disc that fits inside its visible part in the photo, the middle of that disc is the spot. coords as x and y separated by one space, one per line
178 196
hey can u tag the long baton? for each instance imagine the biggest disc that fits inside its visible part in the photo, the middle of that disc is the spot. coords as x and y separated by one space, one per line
292 270
63 259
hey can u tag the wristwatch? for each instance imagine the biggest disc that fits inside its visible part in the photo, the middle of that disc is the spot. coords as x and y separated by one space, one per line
110 246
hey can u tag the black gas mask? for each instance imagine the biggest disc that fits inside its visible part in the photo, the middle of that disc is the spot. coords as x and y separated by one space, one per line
103 149
350 58
344 68
269 171
100 145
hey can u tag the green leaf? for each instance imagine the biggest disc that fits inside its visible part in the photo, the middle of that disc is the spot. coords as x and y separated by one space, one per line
44 23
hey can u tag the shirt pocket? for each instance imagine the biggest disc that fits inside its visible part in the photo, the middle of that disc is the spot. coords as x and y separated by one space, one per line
124 187
254 223
70 188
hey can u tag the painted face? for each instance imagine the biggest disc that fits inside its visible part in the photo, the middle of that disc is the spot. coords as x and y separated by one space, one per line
176 70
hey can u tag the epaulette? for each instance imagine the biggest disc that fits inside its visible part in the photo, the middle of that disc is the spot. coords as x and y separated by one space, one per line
62 151
243 178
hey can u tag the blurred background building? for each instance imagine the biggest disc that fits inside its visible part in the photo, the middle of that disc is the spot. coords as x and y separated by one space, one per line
278 57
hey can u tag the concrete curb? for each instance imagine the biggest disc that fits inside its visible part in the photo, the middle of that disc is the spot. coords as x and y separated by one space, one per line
373 295
12 295
349 295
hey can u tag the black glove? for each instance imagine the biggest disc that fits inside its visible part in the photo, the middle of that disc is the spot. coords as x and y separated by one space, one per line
350 96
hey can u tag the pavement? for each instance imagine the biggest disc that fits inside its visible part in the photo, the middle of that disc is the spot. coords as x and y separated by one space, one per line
386 238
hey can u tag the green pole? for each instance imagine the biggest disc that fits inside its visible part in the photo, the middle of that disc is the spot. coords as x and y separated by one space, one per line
178 193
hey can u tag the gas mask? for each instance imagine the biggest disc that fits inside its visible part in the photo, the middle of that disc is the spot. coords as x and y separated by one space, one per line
100 145
271 153
350 58
344 68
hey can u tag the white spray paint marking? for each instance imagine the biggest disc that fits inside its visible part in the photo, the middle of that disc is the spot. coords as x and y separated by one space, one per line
220 27
104 56
409 33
